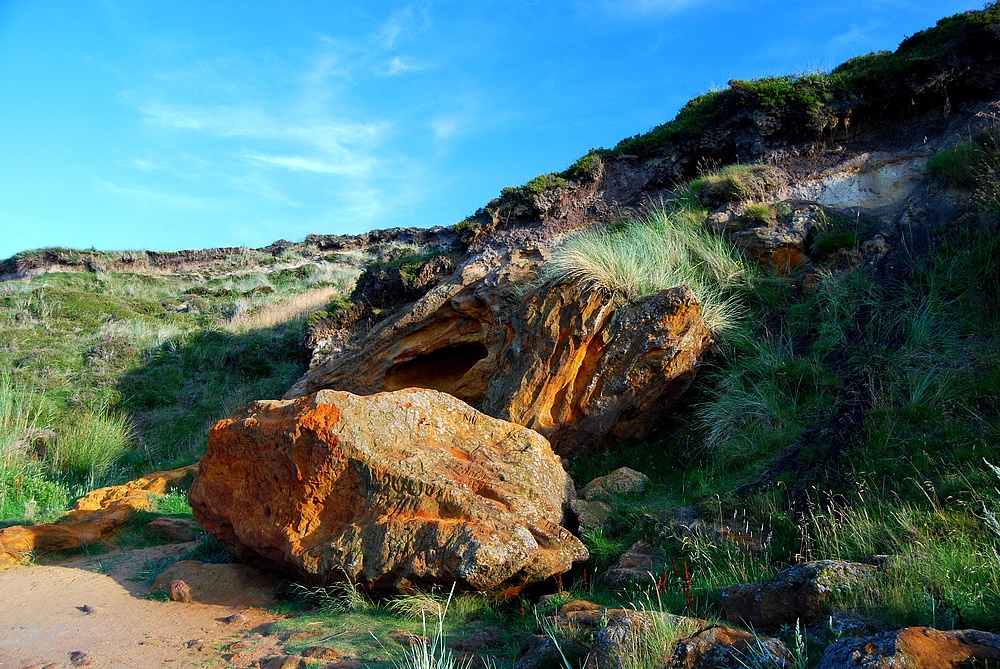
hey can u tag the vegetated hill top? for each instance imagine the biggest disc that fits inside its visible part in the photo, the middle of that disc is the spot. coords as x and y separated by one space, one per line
928 91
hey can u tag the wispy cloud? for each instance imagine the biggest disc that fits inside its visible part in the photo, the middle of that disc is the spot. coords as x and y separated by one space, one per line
163 198
398 66
354 168
647 7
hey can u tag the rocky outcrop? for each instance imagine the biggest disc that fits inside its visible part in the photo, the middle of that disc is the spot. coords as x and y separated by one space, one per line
94 516
922 647
802 592
566 362
622 481
391 491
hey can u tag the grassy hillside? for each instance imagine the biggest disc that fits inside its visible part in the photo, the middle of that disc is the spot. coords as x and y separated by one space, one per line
109 374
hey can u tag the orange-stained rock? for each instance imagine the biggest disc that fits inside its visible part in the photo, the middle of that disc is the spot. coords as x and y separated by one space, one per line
727 648
390 491
567 362
922 647
226 584
94 516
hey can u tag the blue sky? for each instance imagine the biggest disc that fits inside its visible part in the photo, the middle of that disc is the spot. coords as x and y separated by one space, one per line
169 125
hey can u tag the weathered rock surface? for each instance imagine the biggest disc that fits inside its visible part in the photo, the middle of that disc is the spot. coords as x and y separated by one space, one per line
622 481
637 568
801 592
917 647
727 648
224 584
94 516
390 491
563 361
172 529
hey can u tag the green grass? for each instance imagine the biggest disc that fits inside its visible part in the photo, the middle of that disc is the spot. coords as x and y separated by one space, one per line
129 369
806 102
664 250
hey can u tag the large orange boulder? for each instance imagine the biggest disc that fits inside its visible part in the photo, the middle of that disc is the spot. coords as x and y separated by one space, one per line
918 647
563 360
391 491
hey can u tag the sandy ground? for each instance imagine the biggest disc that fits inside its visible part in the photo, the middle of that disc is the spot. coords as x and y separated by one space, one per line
42 621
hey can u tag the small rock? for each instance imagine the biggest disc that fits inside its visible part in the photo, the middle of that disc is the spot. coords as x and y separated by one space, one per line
80 659
801 592
727 648
179 591
622 481
283 662
235 618
407 639
195 644
225 584
540 651
590 516
322 653
486 637
88 609
617 643
172 529
638 567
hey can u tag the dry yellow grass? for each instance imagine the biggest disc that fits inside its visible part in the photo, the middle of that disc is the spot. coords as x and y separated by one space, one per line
295 307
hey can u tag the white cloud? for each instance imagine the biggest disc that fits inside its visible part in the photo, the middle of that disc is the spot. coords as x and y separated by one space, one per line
398 66
631 7
855 35
354 168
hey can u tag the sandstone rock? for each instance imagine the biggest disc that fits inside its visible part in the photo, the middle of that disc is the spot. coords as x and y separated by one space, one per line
561 360
622 481
629 634
227 584
637 568
541 651
94 516
391 491
179 591
801 593
282 662
172 529
922 647
778 245
486 637
727 648
590 516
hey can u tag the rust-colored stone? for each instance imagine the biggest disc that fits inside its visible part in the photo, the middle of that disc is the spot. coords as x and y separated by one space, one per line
94 516
923 647
391 490
562 360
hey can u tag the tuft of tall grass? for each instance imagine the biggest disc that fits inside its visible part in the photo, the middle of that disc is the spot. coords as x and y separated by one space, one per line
89 447
644 256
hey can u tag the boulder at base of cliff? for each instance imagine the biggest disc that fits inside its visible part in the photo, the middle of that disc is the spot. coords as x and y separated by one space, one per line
563 360
412 488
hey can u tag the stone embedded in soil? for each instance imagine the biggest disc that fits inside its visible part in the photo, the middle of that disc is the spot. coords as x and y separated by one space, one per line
622 481
392 491
802 592
727 648
228 584
637 568
922 647
172 529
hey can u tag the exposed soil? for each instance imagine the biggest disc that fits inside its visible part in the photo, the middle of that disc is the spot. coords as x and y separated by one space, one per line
98 606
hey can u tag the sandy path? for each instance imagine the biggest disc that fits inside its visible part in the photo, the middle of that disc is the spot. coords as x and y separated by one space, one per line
40 621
